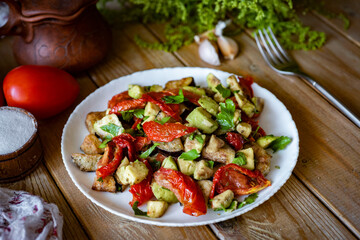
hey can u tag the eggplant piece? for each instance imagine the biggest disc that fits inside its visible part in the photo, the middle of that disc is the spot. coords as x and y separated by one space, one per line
173 146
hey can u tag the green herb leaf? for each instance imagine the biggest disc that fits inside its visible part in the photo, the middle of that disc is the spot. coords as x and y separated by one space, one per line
127 115
277 167
175 99
163 120
199 139
149 151
119 188
211 164
226 116
111 128
232 207
139 113
240 159
100 179
250 199
190 155
191 137
105 141
223 91
257 129
141 130
280 143
137 211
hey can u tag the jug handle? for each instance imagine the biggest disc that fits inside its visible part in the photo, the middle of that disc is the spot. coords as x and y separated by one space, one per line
13 25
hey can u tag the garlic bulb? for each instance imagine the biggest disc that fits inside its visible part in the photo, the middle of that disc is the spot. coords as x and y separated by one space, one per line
208 52
228 47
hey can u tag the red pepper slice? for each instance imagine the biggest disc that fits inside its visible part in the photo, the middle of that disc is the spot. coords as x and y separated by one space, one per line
112 166
245 83
141 142
125 140
173 110
235 140
142 191
240 180
185 188
127 105
118 98
166 132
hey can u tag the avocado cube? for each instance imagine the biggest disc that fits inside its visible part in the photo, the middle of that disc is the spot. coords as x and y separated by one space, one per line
163 194
245 105
202 170
265 141
223 200
198 91
169 162
259 104
156 209
136 91
108 120
209 105
202 120
187 167
250 162
156 88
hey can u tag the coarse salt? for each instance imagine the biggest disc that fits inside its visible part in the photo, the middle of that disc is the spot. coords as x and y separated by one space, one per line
16 128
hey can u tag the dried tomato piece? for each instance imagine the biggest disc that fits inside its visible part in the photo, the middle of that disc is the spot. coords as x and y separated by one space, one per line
185 189
127 105
235 140
118 98
240 180
166 132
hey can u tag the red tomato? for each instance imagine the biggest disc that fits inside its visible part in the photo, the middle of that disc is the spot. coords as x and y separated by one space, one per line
42 90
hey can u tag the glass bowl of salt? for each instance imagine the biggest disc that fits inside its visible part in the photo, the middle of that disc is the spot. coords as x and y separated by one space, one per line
20 146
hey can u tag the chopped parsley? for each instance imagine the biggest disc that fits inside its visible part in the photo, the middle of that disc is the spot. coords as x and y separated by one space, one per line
137 211
163 120
248 200
240 159
100 179
225 93
199 138
226 116
111 128
105 141
211 164
190 155
175 99
149 151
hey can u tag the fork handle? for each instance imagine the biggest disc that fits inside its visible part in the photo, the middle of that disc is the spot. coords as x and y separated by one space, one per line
333 100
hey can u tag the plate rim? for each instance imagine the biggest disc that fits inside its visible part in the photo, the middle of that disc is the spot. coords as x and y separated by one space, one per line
173 224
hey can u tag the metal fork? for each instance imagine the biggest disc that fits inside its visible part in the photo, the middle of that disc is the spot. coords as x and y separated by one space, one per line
280 61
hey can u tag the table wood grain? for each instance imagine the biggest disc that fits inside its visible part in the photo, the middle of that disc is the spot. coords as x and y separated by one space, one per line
320 200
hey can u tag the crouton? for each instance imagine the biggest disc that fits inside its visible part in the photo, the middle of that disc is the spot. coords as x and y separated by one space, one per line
91 118
86 162
91 145
106 184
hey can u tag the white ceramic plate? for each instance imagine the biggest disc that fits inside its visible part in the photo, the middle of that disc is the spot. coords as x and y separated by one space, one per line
275 119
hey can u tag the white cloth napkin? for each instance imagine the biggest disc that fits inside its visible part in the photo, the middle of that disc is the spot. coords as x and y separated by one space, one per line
25 216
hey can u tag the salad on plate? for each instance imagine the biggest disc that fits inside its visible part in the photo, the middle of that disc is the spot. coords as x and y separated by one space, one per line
200 146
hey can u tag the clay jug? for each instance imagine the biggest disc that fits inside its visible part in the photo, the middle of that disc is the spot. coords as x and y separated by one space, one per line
67 34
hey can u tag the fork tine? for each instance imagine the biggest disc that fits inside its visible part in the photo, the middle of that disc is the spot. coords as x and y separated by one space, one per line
266 45
265 56
278 45
274 49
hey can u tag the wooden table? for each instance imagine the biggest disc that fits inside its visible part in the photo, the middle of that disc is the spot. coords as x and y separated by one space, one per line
322 197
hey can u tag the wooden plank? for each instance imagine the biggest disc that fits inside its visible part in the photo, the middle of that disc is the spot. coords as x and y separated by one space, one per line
328 162
350 8
98 222
40 182
285 216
